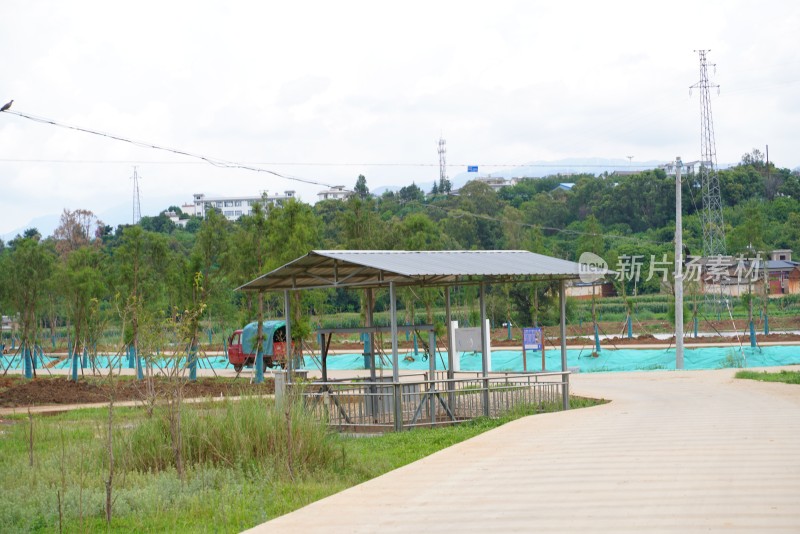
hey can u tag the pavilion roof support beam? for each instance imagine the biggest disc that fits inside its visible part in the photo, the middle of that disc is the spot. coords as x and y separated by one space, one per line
287 310
484 352
562 300
398 412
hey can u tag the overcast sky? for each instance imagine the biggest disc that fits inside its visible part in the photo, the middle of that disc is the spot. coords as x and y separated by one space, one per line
337 87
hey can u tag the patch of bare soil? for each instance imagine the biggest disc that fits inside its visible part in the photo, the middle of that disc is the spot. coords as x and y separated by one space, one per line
17 392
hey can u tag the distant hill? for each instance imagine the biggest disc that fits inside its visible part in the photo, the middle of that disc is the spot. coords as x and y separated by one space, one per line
113 216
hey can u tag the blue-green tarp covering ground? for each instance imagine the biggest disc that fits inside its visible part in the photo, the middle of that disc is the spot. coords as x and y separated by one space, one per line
511 361
583 361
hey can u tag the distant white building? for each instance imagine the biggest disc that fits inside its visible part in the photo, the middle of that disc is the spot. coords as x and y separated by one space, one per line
497 183
234 207
337 192
175 218
7 323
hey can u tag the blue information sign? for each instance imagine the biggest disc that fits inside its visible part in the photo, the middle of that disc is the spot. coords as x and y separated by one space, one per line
532 338
472 168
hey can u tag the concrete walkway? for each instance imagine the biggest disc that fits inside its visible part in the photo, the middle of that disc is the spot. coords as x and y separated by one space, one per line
673 451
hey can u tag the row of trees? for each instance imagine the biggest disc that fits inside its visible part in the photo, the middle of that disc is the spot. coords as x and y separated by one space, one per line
88 274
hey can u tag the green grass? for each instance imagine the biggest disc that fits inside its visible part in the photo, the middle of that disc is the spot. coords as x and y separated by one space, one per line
235 453
787 377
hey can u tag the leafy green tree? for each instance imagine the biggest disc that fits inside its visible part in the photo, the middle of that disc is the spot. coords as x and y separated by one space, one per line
212 258
331 214
362 227
740 184
82 281
361 189
140 264
418 232
160 224
32 233
411 193
591 239
642 201
755 158
193 225
293 232
547 210
748 236
791 187
527 188
252 254
479 200
24 273
514 229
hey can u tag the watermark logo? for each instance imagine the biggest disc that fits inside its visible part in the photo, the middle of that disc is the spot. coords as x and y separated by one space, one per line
710 270
592 267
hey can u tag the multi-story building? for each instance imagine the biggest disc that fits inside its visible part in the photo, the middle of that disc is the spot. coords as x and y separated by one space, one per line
233 207
337 192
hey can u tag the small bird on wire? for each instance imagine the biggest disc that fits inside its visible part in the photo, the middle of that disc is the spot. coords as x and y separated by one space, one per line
7 105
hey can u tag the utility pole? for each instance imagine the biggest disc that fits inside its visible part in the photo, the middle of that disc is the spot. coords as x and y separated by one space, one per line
678 267
442 162
137 205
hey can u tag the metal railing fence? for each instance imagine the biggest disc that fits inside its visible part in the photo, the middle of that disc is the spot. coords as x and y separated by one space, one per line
383 405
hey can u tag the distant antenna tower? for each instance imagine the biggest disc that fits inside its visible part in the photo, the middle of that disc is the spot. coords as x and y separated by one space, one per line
442 160
713 228
137 204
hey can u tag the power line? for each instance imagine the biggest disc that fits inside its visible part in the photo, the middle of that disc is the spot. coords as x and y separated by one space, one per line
249 166
324 164
217 162
210 160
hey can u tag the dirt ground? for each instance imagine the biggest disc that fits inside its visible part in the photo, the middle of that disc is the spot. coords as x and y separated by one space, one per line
15 391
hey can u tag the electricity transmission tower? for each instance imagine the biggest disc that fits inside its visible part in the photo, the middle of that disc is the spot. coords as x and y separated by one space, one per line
713 224
137 205
442 161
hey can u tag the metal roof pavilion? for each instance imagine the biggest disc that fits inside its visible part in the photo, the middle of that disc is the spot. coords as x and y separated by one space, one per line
370 269
377 268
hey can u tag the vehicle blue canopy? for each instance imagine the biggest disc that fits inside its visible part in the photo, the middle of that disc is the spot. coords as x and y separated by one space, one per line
250 332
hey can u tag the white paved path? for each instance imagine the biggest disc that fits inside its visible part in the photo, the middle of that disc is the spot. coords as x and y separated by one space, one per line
674 451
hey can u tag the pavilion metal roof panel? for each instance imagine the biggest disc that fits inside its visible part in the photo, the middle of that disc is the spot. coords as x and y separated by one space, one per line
364 268
456 262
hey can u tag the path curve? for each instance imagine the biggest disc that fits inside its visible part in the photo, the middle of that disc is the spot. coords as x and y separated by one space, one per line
676 451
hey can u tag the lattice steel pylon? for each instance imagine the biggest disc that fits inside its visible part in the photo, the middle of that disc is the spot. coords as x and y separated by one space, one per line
442 161
713 223
137 204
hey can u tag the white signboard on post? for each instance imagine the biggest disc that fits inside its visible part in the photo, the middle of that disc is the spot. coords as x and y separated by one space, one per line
468 340
532 339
